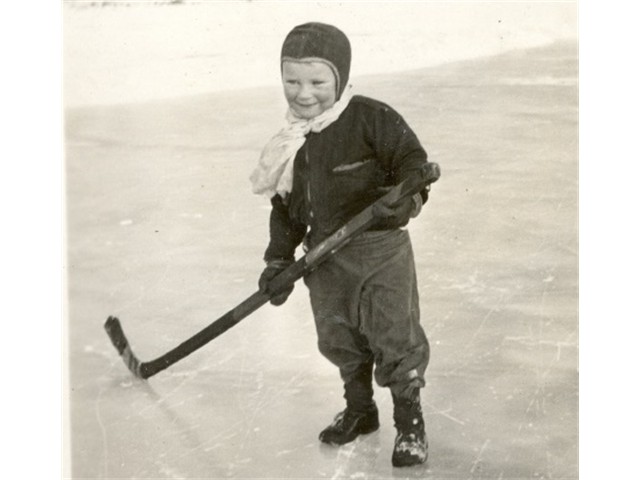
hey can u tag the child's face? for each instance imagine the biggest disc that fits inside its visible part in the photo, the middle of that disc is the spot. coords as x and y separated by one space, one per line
309 87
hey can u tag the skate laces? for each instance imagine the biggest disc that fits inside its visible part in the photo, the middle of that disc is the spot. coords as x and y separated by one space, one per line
408 416
345 415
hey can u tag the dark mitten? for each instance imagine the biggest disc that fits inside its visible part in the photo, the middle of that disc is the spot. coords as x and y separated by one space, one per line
396 216
273 269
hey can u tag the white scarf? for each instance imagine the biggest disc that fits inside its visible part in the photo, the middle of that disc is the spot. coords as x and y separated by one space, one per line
274 173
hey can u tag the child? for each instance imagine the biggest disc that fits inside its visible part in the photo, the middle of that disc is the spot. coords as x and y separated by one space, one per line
339 153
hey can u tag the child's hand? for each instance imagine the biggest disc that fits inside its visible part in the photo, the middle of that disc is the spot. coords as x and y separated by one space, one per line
273 269
394 216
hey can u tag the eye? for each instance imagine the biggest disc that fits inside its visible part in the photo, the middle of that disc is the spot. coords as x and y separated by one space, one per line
318 83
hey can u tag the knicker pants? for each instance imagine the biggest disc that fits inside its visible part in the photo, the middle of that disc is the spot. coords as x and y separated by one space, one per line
366 310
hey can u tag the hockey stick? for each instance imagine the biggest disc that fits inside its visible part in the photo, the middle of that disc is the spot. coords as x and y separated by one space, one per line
311 260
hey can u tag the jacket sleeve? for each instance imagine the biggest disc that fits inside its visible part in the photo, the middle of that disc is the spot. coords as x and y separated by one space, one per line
398 147
284 234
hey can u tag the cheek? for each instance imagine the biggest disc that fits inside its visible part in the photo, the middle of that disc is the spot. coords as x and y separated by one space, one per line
289 93
290 96
327 98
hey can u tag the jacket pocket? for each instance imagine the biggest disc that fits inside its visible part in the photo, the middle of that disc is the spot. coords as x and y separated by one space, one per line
354 184
354 167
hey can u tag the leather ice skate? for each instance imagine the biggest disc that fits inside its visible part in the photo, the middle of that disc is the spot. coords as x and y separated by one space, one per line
411 445
348 424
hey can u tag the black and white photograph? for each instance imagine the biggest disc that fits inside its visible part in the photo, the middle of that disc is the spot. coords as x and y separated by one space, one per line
321 240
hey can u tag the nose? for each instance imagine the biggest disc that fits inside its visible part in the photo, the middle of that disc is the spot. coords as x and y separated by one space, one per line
304 92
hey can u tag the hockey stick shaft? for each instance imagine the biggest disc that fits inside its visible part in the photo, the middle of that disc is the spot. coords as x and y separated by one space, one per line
311 260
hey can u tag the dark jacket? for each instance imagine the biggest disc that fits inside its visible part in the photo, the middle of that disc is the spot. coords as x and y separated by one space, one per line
339 171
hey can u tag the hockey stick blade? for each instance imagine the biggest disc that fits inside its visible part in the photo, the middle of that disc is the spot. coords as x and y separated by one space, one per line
119 340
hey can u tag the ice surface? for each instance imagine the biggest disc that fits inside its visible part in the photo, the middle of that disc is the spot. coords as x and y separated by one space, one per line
128 53
164 233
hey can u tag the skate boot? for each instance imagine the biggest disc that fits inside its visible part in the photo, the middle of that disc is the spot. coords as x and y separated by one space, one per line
411 446
361 414
350 423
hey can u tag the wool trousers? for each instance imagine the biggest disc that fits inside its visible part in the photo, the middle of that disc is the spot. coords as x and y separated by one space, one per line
366 310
